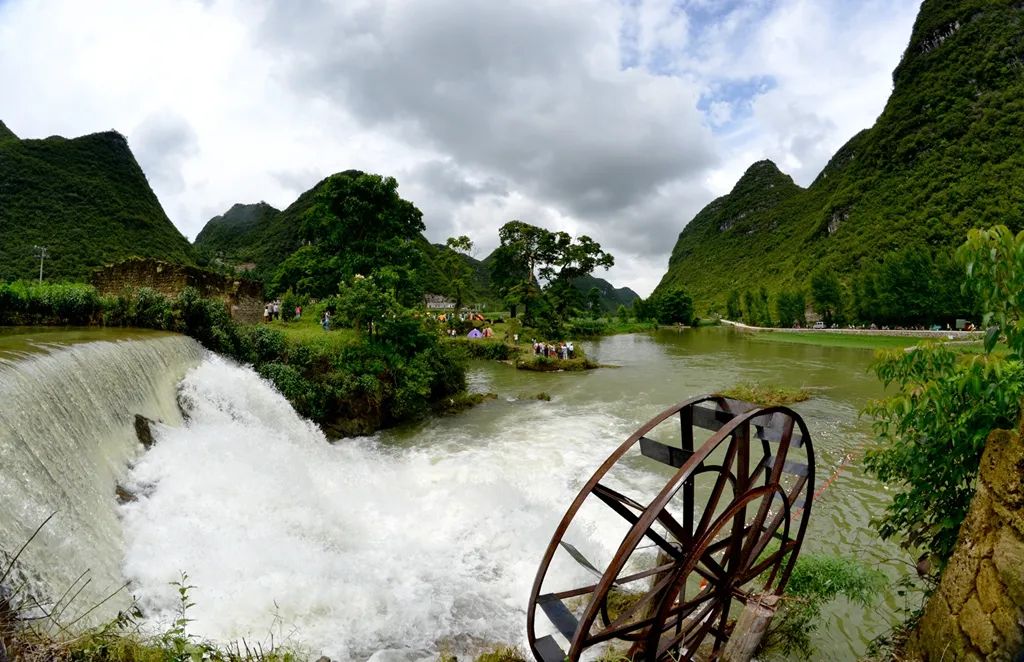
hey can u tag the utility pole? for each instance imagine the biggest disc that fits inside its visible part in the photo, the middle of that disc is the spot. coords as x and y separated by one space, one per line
41 252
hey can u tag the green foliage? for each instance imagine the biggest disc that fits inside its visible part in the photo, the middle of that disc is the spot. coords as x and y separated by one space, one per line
533 261
356 224
733 309
943 157
87 200
501 654
755 308
912 287
932 429
483 348
673 307
816 581
456 270
233 235
579 327
790 309
24 302
827 295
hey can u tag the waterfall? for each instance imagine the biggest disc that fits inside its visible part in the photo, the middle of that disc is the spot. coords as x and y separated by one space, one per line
66 439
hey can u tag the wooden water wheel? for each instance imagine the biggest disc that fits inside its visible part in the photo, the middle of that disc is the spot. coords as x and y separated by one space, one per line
726 526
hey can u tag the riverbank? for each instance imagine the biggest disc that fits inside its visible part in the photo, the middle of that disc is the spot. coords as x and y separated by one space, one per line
858 338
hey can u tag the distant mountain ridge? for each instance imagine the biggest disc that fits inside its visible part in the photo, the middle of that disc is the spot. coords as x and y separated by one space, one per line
944 156
86 199
231 234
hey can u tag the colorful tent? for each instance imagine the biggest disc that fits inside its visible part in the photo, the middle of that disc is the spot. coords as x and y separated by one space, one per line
475 333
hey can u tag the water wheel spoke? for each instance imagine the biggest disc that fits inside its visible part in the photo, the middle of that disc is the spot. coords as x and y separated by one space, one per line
713 546
764 564
693 630
605 492
628 515
716 492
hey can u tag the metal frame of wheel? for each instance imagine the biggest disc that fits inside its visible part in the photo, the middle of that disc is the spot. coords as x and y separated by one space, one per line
708 557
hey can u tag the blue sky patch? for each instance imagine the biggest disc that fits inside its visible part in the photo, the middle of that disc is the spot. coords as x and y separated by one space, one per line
727 102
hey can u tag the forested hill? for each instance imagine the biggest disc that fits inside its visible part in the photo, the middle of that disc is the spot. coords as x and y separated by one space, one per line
6 134
944 156
257 233
86 199
266 237
234 234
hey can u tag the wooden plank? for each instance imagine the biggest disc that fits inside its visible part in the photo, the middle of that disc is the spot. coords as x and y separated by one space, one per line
673 457
549 650
559 615
710 419
792 468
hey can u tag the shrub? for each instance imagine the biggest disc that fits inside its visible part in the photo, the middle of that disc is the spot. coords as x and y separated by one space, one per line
816 581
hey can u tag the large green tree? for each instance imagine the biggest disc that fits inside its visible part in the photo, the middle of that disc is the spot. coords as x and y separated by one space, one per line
357 224
827 295
532 260
456 270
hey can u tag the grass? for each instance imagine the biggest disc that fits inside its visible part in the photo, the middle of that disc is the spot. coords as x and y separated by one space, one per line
766 395
307 331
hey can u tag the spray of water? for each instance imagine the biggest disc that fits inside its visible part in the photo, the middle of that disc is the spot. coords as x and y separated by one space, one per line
355 546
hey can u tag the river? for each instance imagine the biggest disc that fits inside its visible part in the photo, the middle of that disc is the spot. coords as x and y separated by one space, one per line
419 538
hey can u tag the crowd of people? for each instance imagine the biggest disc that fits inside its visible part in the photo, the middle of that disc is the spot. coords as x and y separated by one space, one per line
272 311
563 350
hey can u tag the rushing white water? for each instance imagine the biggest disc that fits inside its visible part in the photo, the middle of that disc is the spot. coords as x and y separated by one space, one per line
356 546
66 436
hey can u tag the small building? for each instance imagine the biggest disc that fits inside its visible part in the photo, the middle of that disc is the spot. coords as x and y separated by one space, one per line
438 302
243 298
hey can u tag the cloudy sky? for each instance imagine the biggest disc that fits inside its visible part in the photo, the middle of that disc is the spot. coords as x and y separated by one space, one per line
618 119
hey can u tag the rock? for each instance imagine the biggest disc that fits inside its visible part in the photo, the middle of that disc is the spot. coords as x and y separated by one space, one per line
977 626
124 495
144 430
323 658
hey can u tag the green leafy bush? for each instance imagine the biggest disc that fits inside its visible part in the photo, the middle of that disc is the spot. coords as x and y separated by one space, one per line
816 581
932 429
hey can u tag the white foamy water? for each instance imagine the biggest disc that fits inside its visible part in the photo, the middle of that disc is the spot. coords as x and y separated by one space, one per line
352 547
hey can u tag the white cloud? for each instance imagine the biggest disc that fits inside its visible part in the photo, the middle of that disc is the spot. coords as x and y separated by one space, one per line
576 114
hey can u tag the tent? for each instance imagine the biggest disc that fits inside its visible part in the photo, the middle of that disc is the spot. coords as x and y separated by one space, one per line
475 333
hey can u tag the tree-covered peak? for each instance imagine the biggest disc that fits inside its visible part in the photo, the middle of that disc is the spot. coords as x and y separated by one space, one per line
762 176
5 133
943 157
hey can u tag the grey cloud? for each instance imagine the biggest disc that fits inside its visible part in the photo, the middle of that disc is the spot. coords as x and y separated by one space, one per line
446 179
509 89
163 142
297 180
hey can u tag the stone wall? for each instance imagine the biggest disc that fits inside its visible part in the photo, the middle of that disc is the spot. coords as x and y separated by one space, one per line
977 613
244 299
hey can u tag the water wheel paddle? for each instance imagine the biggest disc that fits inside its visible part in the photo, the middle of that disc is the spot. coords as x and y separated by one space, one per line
727 525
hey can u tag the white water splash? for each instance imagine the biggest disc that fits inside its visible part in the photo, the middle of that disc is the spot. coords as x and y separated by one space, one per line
352 547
